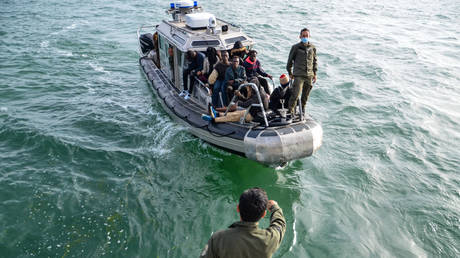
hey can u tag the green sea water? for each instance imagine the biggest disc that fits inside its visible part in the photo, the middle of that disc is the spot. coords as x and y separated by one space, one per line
91 166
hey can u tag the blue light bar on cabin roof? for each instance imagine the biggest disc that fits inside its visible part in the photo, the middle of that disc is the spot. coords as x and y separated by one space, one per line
183 4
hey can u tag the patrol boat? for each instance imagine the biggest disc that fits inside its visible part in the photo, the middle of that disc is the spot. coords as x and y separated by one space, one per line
273 140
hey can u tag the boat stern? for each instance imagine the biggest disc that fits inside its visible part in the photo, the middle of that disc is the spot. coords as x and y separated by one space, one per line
277 146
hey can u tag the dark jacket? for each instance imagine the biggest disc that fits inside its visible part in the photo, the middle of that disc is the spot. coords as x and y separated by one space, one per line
303 57
244 103
246 239
278 94
253 68
221 69
239 75
197 63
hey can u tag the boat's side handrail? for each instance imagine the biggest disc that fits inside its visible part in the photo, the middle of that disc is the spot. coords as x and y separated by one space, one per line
254 88
273 83
183 30
202 84
232 24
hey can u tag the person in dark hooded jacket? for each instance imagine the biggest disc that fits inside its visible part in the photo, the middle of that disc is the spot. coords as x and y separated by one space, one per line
254 70
283 92
238 50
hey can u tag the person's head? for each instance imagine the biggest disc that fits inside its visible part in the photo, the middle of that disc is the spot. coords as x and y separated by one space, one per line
225 56
252 55
253 204
211 52
191 54
235 61
237 45
304 35
284 80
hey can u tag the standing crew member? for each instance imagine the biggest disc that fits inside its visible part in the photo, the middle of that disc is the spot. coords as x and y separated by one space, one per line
303 56
244 238
196 60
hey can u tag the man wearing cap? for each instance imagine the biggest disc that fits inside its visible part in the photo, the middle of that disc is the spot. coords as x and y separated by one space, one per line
303 57
283 92
244 238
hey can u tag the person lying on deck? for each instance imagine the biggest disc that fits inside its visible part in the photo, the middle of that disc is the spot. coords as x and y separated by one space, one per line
237 110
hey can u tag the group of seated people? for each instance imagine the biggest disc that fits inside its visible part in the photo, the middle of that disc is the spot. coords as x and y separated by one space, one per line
224 72
211 68
245 100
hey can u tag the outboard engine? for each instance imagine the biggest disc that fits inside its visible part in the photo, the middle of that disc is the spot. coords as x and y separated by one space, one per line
146 42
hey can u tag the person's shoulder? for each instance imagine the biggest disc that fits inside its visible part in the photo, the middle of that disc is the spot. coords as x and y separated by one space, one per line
296 45
223 233
312 45
277 90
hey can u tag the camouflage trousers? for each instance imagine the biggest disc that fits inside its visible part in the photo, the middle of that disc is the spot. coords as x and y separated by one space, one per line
301 85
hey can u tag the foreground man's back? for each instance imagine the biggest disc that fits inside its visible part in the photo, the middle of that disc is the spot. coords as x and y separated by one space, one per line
246 239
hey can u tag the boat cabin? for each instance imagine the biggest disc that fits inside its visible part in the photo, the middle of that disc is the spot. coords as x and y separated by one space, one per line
192 29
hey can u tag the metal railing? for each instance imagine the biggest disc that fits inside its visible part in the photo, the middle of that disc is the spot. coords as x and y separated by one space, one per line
203 85
261 105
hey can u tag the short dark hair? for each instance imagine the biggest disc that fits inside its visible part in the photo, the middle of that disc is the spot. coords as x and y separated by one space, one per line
238 45
304 29
190 54
253 203
252 51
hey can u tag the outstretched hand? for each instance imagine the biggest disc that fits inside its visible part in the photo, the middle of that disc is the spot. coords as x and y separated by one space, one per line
314 79
270 204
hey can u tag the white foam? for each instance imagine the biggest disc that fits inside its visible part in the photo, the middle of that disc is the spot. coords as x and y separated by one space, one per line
64 53
97 67
71 27
3 109
294 239
44 44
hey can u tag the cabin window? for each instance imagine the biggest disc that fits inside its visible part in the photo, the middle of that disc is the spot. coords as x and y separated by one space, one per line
207 43
167 57
180 56
179 39
235 39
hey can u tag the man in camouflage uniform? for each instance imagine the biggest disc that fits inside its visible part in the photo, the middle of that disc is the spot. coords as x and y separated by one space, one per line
303 56
244 238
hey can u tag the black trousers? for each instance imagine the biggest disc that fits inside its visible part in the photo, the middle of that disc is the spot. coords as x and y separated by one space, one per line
263 82
185 75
